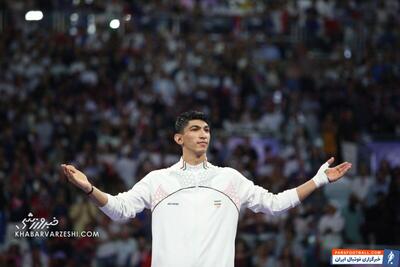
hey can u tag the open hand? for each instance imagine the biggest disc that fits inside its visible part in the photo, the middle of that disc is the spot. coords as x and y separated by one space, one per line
335 173
76 177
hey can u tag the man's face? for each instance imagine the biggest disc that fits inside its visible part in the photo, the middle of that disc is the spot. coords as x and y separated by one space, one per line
195 137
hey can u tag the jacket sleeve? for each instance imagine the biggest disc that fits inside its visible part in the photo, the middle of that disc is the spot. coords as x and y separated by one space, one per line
127 204
259 199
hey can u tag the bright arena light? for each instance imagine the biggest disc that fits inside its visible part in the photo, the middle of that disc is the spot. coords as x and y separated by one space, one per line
114 24
33 15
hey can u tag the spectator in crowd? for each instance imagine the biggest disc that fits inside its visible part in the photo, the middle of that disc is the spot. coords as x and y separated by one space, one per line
330 229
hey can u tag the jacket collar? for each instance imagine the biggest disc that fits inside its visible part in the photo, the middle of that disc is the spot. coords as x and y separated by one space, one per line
183 165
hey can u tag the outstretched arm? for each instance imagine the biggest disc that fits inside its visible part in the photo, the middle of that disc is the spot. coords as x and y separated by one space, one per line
259 199
80 180
324 175
119 207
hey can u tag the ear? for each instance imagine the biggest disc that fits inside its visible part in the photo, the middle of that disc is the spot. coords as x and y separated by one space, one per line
178 139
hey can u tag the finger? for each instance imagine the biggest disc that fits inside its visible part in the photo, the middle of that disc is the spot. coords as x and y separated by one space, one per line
331 160
344 166
348 167
65 173
64 170
71 169
341 165
69 174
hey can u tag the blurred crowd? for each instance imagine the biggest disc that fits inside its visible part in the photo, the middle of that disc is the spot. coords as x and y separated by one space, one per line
286 85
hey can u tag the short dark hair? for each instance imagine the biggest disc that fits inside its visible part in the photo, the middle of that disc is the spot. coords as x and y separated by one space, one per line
183 119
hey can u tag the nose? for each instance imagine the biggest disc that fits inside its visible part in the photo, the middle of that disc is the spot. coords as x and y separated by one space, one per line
203 134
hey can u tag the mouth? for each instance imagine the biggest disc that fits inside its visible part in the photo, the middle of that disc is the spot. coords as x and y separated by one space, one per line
202 143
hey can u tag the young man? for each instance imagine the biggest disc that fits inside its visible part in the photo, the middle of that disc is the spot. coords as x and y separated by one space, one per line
195 205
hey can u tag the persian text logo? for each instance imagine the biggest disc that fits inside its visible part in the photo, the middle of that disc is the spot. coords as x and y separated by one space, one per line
37 224
356 256
39 227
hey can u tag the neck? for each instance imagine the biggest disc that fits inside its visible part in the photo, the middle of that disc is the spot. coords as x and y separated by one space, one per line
193 159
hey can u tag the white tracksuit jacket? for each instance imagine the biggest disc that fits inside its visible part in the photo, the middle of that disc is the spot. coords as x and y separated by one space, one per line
195 211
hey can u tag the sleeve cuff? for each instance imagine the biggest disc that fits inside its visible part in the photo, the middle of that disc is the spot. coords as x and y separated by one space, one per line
294 197
108 207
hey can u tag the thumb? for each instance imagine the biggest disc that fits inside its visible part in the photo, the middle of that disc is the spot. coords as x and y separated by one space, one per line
331 160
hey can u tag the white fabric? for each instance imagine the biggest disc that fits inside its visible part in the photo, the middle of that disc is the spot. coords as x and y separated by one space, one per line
195 211
321 178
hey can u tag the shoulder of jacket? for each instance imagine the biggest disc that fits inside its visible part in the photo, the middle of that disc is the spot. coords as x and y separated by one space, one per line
229 171
157 173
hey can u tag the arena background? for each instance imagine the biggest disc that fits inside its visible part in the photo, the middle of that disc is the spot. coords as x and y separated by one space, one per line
286 85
